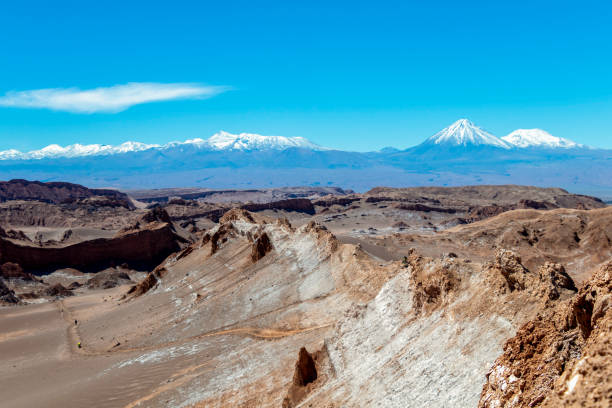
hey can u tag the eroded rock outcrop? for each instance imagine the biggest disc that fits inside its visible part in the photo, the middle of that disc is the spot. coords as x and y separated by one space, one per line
261 246
561 358
148 282
11 270
509 273
433 284
7 296
554 281
145 244
305 373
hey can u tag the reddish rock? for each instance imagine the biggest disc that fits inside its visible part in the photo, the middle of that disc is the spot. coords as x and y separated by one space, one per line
146 247
261 246
10 270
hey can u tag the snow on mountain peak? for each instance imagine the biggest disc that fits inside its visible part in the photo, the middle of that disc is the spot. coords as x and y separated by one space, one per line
537 138
250 141
464 133
219 141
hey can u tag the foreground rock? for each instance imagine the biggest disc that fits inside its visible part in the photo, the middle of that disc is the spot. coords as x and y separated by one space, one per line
429 335
562 357
256 311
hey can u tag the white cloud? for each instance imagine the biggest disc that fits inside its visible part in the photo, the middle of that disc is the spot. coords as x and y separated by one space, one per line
110 100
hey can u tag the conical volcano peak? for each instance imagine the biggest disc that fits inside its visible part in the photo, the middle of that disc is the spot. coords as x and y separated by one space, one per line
465 133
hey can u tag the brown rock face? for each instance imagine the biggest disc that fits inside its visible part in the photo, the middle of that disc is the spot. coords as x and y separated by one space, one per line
108 279
236 214
6 294
261 246
57 192
487 211
57 290
12 234
305 370
508 274
432 288
562 357
508 265
156 214
147 283
302 205
146 247
10 270
328 202
219 237
305 373
554 279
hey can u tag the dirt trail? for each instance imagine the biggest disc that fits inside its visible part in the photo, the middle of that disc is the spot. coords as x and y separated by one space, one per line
261 333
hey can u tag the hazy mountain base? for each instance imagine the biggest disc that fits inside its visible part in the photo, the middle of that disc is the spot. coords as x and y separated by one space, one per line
584 171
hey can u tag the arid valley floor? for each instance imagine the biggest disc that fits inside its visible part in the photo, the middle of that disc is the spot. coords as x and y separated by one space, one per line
480 296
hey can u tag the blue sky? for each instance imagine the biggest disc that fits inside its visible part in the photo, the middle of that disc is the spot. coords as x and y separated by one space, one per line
351 75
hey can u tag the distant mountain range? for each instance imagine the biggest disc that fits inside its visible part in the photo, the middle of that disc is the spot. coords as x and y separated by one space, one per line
219 141
461 133
460 154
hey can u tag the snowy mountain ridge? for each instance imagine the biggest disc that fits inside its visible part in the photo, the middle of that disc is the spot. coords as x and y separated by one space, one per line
537 138
462 133
219 141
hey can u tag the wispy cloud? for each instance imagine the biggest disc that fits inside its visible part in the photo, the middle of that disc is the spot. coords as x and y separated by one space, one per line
110 99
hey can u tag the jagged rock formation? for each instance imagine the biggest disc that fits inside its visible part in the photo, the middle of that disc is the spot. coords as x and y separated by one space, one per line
261 246
560 358
148 282
305 373
508 267
6 294
12 234
428 335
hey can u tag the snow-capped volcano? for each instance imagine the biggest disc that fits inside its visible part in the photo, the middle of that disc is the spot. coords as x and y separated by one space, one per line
219 141
465 133
537 138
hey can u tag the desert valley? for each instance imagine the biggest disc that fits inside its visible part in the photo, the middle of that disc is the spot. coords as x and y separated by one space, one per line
489 296
273 204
